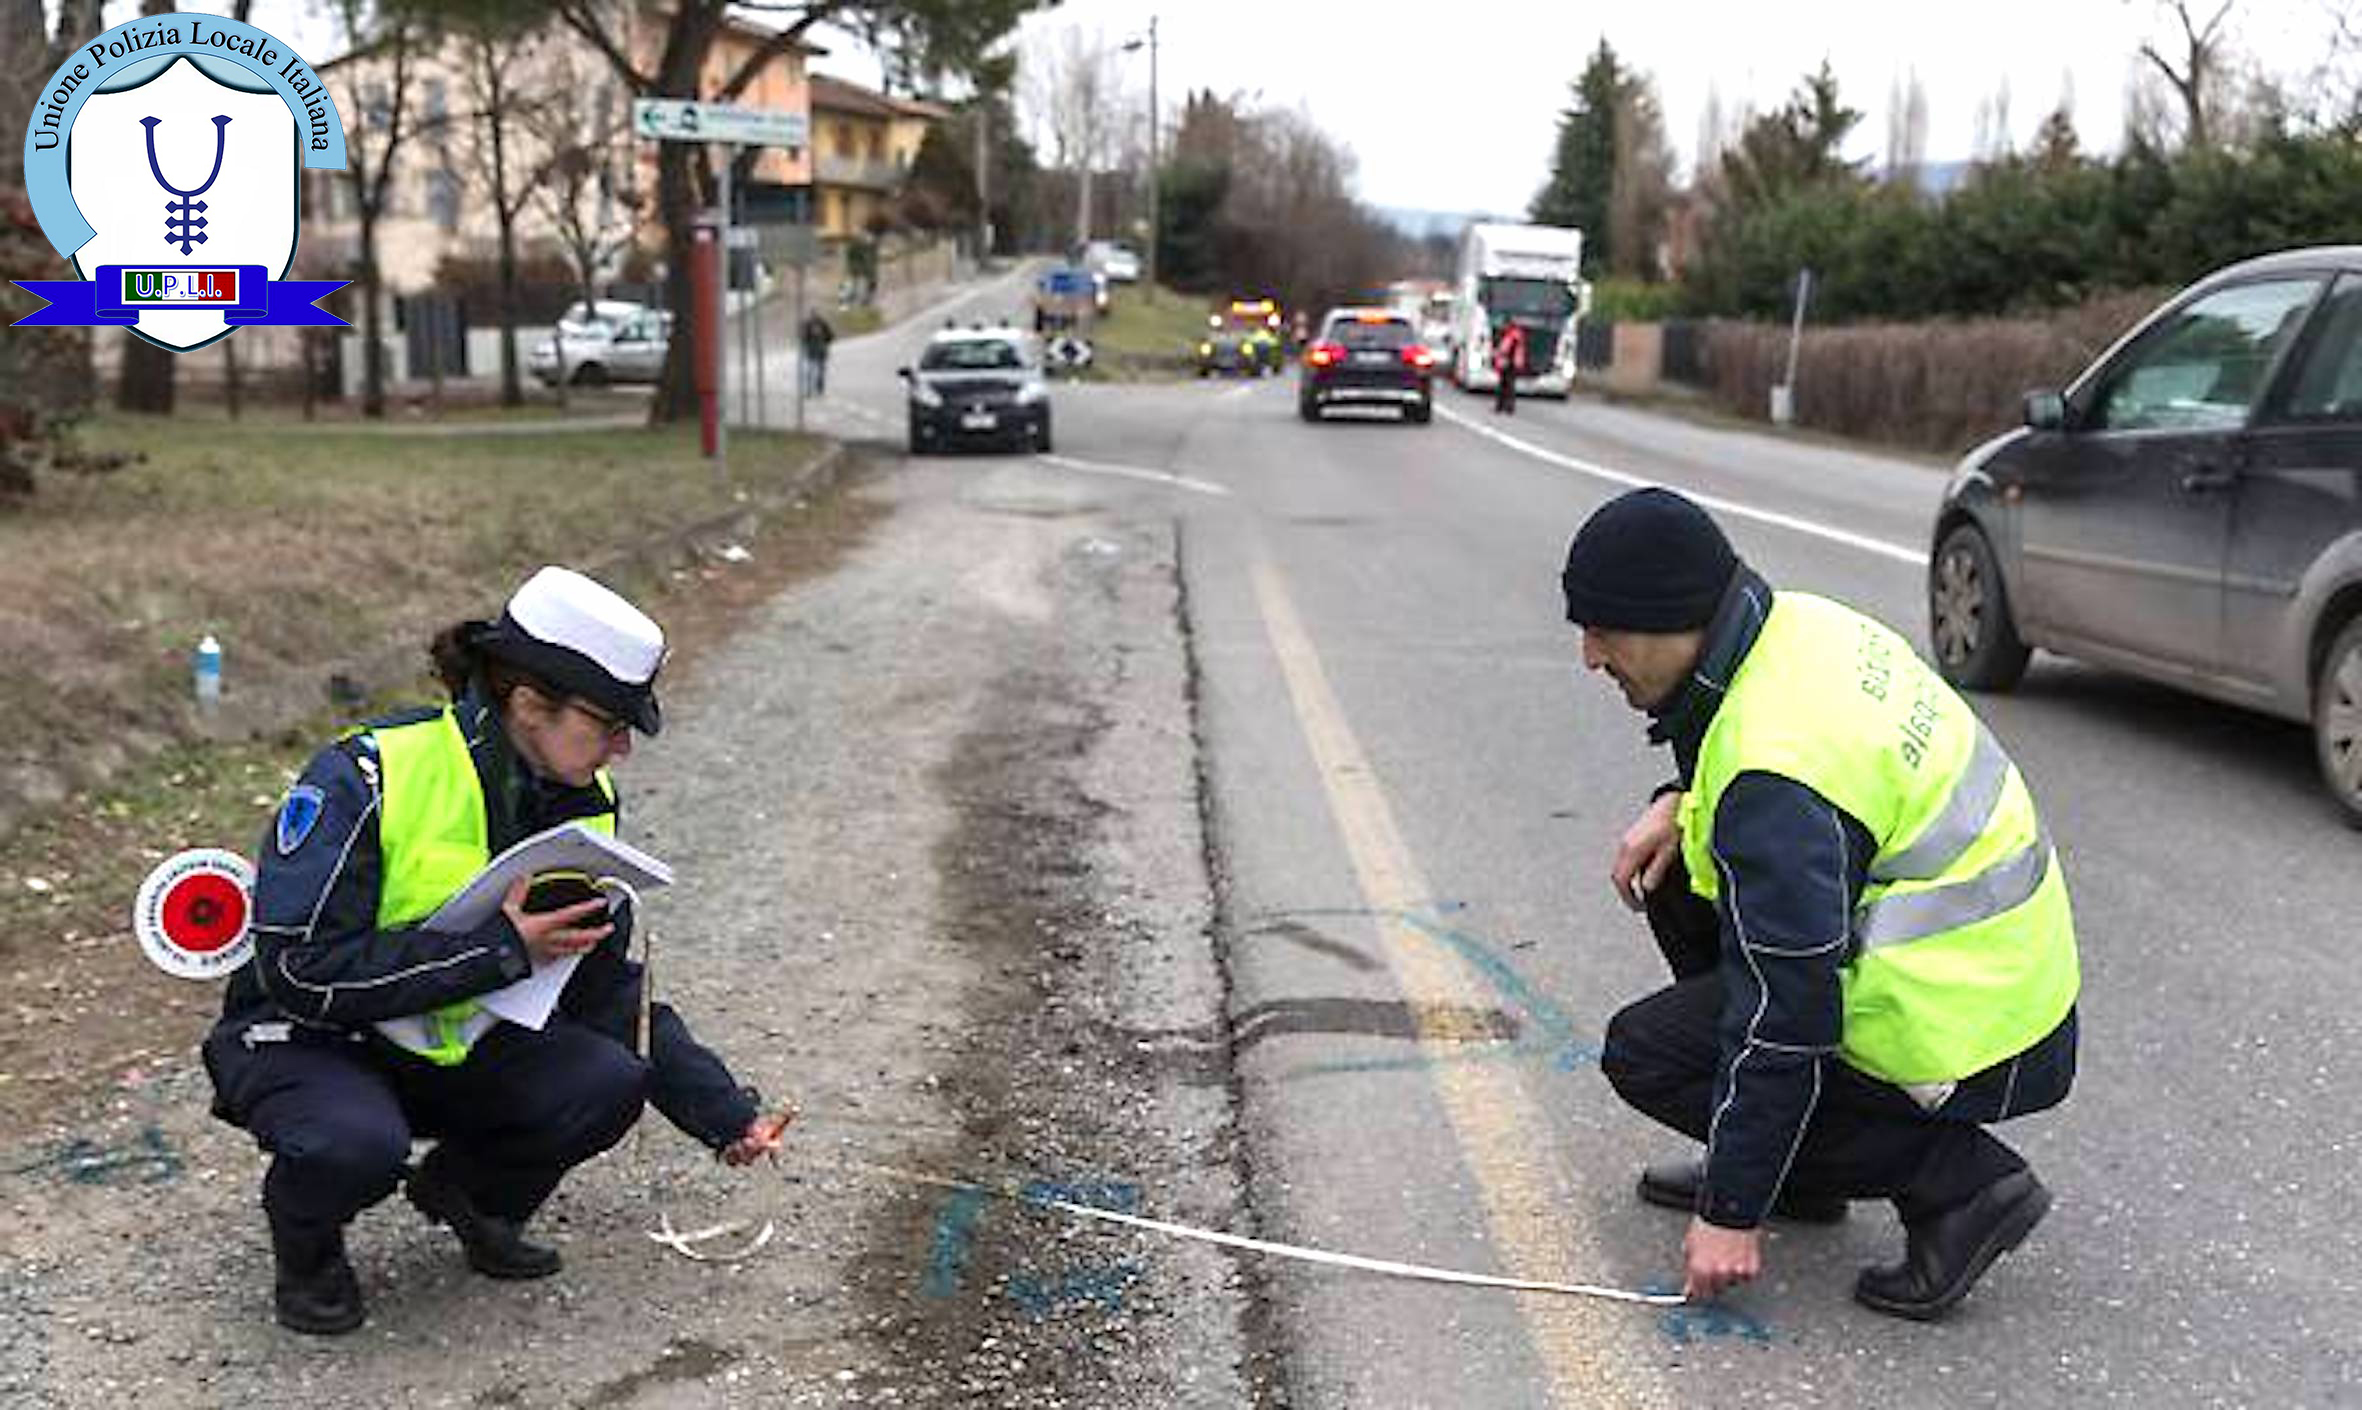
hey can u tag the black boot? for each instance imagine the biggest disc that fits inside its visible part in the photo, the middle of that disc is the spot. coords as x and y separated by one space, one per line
1674 1184
1944 1254
496 1247
315 1290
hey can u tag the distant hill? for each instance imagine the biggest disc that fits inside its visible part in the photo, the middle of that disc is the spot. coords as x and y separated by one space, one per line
1418 224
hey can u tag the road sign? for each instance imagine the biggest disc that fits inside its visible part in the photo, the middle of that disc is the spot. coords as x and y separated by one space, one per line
684 120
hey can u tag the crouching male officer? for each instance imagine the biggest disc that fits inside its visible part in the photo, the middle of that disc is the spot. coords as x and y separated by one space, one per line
1872 951
384 825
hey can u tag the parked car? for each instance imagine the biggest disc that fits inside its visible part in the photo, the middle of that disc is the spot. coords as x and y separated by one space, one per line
1118 261
2189 510
978 384
1367 357
609 346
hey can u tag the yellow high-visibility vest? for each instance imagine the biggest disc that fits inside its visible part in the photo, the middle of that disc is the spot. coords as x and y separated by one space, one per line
1963 944
431 834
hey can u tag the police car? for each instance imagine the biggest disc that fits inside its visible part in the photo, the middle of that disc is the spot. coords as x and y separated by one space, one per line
978 384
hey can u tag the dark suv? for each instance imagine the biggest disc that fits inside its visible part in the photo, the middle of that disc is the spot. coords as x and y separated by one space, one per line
1367 357
2189 510
978 384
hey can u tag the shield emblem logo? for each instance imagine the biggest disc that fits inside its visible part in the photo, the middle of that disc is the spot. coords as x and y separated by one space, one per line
185 161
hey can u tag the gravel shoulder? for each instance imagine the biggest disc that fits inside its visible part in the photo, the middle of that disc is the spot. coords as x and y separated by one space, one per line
936 819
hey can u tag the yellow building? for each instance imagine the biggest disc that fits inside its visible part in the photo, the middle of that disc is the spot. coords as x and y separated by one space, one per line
863 145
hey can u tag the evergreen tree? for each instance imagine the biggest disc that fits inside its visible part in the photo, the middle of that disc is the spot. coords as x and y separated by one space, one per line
1583 167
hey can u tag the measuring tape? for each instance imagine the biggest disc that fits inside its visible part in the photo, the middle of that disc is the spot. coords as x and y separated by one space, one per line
1297 1252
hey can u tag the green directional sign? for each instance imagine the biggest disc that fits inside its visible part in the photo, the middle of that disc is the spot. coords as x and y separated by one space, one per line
686 120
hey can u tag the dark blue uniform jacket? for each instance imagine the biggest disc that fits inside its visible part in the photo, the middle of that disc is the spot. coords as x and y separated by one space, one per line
322 965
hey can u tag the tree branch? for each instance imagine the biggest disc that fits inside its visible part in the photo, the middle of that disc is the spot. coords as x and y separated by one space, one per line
579 17
777 45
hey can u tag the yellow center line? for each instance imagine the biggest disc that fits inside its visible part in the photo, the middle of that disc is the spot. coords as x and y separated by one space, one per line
1489 1108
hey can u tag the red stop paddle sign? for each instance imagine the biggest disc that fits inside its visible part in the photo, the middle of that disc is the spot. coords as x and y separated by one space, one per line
192 912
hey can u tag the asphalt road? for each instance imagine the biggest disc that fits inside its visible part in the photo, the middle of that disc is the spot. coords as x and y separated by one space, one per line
1413 793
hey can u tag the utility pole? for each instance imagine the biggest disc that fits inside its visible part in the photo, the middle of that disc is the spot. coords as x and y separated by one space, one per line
983 180
1155 225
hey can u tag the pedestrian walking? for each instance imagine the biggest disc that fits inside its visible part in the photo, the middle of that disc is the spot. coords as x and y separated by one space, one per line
384 825
1509 363
815 336
1873 956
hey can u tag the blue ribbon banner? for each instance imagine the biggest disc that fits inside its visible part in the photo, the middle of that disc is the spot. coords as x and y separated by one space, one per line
244 294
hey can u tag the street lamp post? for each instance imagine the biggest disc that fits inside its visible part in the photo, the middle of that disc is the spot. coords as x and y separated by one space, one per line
1155 221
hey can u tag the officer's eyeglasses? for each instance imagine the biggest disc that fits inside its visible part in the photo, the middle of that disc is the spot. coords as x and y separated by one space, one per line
612 727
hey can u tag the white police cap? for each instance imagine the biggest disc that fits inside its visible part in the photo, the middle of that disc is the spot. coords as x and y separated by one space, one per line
584 638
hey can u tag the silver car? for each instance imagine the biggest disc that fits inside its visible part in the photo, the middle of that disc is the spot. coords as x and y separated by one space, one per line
2188 510
608 347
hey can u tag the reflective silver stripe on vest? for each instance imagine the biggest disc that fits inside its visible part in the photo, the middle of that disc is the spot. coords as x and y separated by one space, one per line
1975 794
2000 888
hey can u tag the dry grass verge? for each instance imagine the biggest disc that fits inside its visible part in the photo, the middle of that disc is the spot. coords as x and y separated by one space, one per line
311 553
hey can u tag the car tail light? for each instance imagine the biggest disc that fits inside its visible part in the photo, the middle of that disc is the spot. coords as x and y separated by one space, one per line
1418 357
1325 354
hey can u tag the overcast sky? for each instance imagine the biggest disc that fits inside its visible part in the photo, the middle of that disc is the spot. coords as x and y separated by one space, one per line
1452 105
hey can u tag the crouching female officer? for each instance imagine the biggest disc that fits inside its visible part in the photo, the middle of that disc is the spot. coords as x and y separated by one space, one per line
386 824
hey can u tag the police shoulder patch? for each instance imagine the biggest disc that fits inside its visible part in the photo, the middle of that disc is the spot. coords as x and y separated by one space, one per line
298 816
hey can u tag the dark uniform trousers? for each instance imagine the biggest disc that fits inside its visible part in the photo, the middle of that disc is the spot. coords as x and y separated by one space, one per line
338 1116
1867 1139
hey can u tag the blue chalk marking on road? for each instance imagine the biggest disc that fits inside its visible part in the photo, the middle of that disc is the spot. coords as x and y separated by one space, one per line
1117 1196
1707 1321
1101 1286
1550 1032
147 1160
955 1235
955 1227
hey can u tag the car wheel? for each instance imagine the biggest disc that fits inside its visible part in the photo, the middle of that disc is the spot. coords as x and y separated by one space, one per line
2337 720
1419 415
1307 408
590 374
1969 624
1041 436
918 438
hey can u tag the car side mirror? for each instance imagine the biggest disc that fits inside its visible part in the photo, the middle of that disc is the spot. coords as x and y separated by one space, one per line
2046 411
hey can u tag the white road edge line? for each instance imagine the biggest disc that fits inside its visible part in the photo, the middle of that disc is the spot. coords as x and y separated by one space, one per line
1090 467
1900 554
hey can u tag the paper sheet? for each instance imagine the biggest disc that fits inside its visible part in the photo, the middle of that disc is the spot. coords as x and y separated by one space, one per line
570 846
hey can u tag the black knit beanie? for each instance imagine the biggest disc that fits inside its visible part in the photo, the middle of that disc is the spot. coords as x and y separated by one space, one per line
1647 561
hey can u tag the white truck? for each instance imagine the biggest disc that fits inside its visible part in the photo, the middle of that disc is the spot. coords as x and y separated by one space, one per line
1530 273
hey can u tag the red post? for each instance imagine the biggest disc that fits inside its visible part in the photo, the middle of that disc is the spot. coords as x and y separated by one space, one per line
705 349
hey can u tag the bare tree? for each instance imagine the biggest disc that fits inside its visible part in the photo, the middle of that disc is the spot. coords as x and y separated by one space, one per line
1641 188
1906 128
2197 68
1994 140
1072 85
379 97
497 43
588 179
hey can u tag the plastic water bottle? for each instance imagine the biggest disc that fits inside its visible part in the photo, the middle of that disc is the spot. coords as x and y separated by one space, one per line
208 672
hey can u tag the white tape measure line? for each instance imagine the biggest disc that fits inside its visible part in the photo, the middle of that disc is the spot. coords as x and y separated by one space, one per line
688 1244
1301 1254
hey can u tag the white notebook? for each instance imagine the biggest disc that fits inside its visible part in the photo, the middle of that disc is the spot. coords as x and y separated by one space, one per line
570 846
